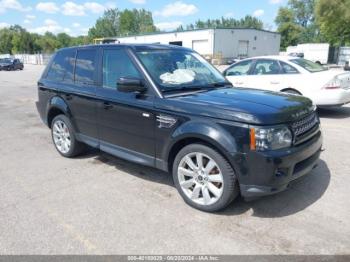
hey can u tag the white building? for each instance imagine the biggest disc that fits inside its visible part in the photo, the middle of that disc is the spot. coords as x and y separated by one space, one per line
217 43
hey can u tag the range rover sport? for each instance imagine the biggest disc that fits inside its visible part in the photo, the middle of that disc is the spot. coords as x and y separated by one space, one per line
166 107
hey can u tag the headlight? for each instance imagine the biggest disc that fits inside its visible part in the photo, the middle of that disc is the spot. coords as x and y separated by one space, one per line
270 138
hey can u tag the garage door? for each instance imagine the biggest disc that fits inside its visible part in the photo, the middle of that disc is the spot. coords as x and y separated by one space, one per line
201 46
243 48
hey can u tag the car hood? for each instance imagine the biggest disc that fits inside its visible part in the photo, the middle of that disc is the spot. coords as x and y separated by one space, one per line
239 104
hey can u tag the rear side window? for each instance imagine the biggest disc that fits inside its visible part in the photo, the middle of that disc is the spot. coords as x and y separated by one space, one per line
117 64
288 69
62 67
85 66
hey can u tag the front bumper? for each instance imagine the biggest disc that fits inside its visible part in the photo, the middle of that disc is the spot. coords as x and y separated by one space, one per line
268 173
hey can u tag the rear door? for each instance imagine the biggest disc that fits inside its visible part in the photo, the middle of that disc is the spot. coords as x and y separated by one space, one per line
74 80
126 121
81 99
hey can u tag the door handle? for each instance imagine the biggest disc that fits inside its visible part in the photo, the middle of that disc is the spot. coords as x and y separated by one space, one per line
107 106
69 97
274 83
239 83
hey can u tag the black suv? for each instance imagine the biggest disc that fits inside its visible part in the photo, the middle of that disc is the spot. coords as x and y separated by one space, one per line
166 107
9 64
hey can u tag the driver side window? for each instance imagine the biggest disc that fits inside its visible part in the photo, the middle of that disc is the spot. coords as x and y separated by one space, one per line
266 67
117 64
241 68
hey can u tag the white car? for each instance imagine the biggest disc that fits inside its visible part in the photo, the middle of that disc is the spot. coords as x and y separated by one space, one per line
292 75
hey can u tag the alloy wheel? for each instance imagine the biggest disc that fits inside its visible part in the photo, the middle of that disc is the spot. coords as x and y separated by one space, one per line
200 178
61 136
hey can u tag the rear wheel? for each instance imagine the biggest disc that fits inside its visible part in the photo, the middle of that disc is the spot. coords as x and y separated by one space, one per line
63 136
204 178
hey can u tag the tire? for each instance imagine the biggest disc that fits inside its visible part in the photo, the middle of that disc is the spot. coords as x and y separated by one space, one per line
196 187
63 137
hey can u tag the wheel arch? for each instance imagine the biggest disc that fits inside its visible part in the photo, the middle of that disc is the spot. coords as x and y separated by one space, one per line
56 107
202 133
291 89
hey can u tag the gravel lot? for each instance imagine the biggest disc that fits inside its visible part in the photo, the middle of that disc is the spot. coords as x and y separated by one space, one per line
98 204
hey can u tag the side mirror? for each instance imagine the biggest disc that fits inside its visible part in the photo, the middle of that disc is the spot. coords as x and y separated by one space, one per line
130 85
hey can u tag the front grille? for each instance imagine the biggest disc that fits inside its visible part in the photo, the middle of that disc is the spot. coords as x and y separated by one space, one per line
304 125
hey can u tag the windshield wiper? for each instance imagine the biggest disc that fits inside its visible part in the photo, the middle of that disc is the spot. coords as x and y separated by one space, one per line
184 88
220 84
198 87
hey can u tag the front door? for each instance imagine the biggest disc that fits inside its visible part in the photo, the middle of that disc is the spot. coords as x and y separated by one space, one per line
238 74
126 121
266 75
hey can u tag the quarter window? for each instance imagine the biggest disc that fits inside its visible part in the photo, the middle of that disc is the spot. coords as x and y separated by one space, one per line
266 67
85 66
62 67
241 68
288 69
117 64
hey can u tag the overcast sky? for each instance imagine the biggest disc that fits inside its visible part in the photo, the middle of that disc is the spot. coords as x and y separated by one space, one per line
76 17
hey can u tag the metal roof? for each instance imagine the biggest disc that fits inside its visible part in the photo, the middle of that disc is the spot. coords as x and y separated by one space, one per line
191 30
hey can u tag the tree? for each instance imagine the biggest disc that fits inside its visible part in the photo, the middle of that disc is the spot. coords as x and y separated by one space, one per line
288 28
64 40
296 23
333 17
80 40
48 43
115 23
246 22
144 20
15 40
303 11
6 36
107 25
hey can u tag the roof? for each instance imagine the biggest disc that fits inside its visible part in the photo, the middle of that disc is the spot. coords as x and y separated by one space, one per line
134 46
193 30
277 57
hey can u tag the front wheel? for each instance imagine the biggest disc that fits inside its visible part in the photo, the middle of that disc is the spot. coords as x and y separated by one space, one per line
204 178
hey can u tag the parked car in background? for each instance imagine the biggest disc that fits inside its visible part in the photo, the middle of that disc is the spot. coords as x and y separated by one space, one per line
11 64
167 107
301 55
292 75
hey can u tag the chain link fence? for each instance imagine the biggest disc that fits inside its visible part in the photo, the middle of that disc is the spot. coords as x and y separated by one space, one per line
34 59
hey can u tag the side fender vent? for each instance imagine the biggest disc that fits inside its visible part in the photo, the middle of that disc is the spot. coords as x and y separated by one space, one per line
165 121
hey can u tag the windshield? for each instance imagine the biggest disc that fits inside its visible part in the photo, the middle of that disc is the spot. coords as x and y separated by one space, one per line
176 70
308 65
6 60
